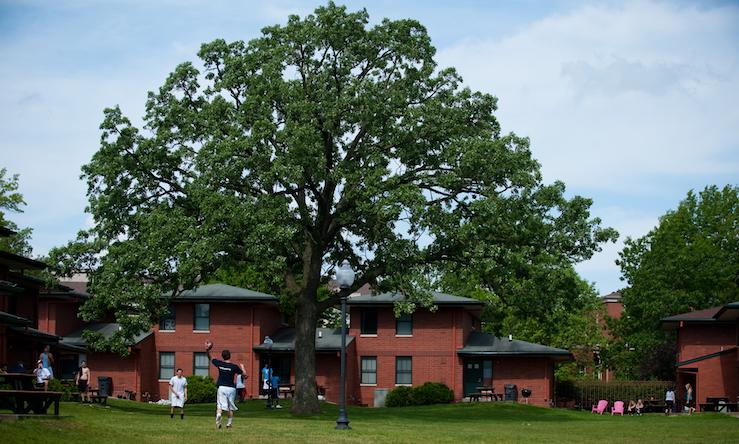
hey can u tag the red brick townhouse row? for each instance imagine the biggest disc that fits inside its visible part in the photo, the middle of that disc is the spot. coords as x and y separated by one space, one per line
707 355
383 352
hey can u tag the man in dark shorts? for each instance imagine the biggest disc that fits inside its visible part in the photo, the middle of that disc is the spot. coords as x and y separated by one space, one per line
226 394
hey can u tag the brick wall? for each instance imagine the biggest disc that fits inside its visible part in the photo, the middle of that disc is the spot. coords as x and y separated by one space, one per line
695 340
536 374
714 377
433 348
233 326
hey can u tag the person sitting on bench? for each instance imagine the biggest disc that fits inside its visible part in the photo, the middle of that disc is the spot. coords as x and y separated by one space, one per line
42 376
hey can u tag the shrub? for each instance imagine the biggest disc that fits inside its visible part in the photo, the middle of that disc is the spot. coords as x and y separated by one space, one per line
200 389
432 393
56 385
426 394
400 397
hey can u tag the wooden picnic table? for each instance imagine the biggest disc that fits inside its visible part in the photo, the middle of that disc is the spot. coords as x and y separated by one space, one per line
19 381
36 401
487 391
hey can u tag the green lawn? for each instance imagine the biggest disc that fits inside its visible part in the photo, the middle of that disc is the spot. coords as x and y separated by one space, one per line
133 422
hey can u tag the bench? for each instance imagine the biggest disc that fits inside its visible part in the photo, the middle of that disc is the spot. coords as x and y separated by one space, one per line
475 396
100 399
32 400
286 389
718 407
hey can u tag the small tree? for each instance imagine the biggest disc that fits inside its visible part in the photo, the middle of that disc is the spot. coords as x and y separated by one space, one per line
690 261
12 200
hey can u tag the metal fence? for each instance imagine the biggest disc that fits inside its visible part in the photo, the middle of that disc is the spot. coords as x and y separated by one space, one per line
584 394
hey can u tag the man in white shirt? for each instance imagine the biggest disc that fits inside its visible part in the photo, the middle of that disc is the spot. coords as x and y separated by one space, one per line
42 375
177 393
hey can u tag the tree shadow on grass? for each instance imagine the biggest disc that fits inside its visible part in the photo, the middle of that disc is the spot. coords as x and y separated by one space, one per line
448 413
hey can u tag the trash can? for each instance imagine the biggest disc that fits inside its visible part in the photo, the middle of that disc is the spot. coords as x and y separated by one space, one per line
510 392
380 395
105 385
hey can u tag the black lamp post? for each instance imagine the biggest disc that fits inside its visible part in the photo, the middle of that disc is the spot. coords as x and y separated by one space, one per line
345 279
268 343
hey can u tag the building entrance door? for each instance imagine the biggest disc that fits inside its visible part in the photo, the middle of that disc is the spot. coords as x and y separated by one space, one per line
477 373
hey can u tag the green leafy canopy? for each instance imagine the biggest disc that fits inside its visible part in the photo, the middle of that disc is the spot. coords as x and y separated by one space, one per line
690 261
322 140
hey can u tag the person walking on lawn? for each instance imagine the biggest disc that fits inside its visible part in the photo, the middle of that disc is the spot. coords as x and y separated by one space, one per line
177 393
226 394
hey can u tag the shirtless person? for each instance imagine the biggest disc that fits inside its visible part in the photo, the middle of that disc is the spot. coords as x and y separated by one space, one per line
226 395
83 381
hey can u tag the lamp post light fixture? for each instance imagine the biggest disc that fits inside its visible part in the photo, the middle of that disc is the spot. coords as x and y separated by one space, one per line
268 343
345 279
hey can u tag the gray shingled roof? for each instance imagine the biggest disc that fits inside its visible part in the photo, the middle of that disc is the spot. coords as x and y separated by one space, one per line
36 334
391 298
5 232
729 312
484 344
11 319
107 329
223 293
16 262
327 339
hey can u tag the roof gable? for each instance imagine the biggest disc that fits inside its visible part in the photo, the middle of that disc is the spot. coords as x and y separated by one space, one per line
485 344
223 293
391 298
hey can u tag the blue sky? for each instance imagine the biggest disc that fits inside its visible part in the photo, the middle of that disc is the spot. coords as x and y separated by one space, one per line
629 103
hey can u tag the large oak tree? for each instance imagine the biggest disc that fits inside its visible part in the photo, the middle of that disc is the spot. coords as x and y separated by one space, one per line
322 140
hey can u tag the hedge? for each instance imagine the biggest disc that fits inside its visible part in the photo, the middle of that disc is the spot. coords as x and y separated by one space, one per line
426 394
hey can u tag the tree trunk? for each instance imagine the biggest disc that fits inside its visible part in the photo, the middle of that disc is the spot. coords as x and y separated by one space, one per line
306 397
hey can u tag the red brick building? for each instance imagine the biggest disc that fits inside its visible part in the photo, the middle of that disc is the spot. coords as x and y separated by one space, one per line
383 352
442 346
707 355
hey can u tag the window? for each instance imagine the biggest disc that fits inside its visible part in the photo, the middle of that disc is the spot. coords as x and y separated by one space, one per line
166 365
200 364
403 370
404 325
167 321
369 370
369 321
202 317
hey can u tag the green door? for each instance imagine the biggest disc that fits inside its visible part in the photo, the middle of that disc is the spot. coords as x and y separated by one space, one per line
477 373
472 376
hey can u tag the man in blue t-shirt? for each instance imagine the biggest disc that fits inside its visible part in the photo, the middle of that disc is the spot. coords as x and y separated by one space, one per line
274 383
226 395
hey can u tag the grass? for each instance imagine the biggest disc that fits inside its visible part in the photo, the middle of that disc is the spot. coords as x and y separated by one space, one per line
133 422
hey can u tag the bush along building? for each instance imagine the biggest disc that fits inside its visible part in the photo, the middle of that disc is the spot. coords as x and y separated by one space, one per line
383 352
707 356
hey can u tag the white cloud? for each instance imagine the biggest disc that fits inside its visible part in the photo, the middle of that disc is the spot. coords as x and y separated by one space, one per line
617 97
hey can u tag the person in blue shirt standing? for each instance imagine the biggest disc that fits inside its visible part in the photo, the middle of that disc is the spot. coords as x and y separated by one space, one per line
274 383
267 383
226 394
47 360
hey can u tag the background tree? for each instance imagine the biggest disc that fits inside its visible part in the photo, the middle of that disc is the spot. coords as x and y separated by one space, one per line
322 140
690 261
12 201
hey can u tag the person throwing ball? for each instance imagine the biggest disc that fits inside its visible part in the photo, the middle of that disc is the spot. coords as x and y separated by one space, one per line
226 394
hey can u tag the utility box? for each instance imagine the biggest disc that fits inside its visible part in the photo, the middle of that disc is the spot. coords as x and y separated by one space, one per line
510 392
380 395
